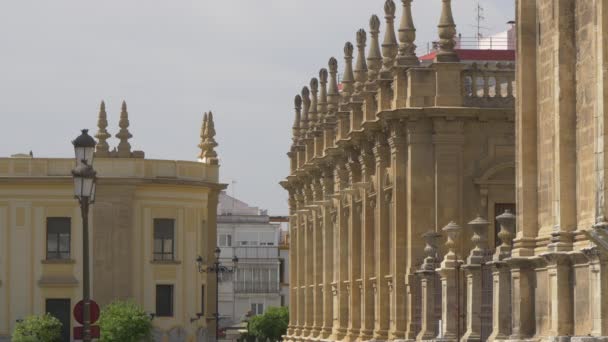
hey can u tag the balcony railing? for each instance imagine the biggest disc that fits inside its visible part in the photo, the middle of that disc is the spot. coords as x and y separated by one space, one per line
250 252
489 85
256 287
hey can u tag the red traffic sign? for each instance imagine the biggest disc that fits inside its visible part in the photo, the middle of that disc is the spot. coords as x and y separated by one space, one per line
79 312
79 332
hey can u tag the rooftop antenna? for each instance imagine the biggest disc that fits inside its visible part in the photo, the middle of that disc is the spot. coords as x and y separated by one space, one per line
479 19
233 193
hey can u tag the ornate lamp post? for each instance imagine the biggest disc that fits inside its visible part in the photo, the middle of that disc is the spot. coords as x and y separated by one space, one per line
216 268
84 190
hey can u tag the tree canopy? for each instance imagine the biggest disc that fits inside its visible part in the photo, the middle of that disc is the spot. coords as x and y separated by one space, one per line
271 325
124 321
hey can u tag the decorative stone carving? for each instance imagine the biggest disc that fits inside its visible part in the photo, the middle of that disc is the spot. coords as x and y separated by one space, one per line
361 66
374 57
296 123
389 46
304 123
314 103
447 32
322 109
124 148
348 78
208 151
102 149
430 249
507 228
407 36
480 231
332 93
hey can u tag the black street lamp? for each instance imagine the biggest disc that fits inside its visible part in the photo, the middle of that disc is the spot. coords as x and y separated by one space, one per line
216 268
84 190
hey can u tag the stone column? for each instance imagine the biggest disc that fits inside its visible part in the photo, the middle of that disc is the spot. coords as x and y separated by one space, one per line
340 250
473 275
501 290
318 256
305 265
526 129
382 305
398 151
354 246
293 275
598 287
428 276
368 200
329 220
300 264
450 296
421 213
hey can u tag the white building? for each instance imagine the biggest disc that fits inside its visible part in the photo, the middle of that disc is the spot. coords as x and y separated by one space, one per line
247 232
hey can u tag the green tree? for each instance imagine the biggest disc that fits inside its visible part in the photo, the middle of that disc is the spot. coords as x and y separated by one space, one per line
271 325
124 321
44 328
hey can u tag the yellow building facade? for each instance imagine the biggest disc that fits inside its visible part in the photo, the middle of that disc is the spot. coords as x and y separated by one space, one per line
150 221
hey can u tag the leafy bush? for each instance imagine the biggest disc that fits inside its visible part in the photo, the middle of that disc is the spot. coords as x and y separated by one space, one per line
38 329
124 321
271 325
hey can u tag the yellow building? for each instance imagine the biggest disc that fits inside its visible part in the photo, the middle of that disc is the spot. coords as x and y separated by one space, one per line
150 221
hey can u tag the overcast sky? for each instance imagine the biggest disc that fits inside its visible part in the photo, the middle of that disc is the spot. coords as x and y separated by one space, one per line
171 60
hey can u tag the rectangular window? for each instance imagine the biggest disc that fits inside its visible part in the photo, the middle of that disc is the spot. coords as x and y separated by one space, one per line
225 240
257 308
164 239
58 236
61 309
164 300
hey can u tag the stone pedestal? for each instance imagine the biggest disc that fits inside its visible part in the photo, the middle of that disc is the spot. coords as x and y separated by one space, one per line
449 274
501 301
473 305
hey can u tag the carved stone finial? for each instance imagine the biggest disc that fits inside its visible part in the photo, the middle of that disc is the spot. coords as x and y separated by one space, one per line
305 123
407 36
296 122
348 77
479 239
374 57
452 230
447 32
124 148
201 145
506 233
361 67
430 261
332 93
389 46
102 149
322 111
314 103
209 145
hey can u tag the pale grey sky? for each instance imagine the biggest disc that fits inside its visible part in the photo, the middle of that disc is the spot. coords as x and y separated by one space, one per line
171 60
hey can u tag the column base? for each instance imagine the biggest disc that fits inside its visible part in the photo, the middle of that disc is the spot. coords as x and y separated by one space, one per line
470 337
366 335
325 333
352 335
338 335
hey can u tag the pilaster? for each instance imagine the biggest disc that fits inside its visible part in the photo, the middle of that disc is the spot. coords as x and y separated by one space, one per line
382 307
450 296
398 151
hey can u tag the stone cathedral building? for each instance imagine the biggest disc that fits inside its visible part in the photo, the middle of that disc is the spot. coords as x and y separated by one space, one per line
403 184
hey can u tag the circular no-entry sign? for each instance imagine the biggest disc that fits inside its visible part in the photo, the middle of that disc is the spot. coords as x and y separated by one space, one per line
79 311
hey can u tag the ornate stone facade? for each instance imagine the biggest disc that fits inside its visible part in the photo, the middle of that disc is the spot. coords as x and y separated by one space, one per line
402 154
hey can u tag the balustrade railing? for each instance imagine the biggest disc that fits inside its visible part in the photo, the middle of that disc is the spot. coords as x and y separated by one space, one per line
489 85
256 287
